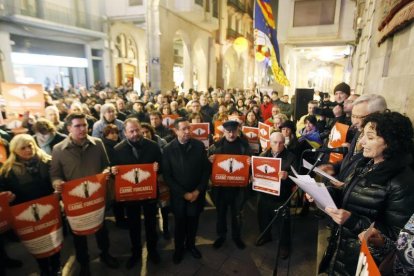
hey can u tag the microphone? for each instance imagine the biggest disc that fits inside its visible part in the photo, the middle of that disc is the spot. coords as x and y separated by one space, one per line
343 150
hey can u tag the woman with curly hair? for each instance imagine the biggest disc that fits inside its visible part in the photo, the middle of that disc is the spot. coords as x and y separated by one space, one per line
25 177
380 189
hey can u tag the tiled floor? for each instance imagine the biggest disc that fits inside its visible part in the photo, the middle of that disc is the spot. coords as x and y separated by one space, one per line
228 260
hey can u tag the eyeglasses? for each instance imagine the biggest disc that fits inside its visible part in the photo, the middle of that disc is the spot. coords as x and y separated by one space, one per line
358 117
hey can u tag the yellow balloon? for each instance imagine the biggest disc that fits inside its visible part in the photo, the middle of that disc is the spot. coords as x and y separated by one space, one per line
240 44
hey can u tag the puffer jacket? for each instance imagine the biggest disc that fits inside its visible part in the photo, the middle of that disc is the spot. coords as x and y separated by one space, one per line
384 195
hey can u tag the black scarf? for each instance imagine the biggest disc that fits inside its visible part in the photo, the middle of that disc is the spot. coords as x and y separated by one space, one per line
32 165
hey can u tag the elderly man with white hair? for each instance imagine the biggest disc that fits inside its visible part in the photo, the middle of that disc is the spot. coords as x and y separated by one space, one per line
362 107
268 203
108 116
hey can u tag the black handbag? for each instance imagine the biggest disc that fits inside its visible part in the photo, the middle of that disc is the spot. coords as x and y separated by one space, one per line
329 252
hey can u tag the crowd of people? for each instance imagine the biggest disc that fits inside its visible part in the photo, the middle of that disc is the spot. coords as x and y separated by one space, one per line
86 132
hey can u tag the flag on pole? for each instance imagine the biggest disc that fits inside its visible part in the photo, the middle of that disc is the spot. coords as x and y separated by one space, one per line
265 38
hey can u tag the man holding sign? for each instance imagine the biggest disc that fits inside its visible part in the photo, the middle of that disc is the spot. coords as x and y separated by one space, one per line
78 156
135 149
225 196
267 203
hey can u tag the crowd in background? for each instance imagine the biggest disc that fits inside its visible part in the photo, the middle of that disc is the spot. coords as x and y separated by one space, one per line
106 109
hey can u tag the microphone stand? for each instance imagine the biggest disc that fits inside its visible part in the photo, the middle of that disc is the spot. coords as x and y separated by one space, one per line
283 209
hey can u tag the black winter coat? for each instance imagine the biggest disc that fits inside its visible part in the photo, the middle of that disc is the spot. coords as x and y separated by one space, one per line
384 195
27 186
219 148
185 170
148 152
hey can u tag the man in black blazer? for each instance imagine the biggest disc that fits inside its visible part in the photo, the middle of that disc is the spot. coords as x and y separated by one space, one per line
186 171
135 149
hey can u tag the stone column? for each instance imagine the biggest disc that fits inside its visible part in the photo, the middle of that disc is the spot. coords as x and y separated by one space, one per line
153 40
6 64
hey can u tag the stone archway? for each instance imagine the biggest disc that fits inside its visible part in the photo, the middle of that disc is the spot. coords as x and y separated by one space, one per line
231 68
125 58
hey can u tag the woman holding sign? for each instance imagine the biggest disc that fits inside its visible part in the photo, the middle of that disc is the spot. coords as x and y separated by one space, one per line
26 175
380 190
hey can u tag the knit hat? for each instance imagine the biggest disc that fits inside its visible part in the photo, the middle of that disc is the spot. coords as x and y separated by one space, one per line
343 87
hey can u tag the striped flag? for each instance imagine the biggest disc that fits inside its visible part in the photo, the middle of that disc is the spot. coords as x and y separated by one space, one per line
265 38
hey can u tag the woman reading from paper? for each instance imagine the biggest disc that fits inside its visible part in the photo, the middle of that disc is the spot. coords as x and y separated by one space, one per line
25 176
380 190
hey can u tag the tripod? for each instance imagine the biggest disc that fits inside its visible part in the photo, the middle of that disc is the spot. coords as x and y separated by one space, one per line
282 211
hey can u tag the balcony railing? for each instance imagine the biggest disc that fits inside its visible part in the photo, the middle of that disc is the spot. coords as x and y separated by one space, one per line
55 13
237 4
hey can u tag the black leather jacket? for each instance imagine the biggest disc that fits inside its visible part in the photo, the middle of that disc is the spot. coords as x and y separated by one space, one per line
384 195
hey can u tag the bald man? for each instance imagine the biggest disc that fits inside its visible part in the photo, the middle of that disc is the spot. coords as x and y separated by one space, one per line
268 203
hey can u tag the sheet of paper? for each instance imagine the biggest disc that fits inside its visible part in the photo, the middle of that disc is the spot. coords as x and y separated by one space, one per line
304 177
320 172
317 191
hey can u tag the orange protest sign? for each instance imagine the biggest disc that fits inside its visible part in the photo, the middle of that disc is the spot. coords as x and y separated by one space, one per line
201 131
366 264
264 131
84 201
218 130
38 225
264 136
336 138
230 170
3 154
168 120
4 213
265 172
252 135
135 182
23 97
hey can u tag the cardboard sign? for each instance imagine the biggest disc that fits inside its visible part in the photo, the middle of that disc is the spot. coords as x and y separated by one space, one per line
4 213
23 97
168 120
252 135
201 131
230 170
218 130
3 153
84 201
366 264
336 138
264 136
38 225
265 172
135 182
